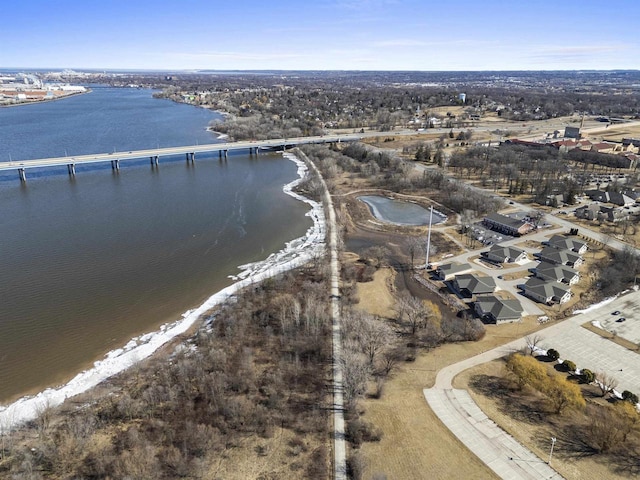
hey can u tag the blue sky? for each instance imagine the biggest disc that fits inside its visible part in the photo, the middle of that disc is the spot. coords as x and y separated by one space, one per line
322 34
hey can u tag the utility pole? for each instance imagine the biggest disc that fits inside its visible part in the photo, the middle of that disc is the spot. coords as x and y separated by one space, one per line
553 442
426 265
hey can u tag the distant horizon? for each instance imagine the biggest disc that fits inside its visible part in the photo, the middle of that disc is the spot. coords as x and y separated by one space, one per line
326 35
271 70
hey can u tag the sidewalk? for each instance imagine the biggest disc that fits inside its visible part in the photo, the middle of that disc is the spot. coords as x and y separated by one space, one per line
460 414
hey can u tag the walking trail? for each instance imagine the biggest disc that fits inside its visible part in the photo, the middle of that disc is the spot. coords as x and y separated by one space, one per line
339 443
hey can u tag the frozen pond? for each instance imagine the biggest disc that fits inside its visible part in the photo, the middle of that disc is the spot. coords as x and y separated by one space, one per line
399 212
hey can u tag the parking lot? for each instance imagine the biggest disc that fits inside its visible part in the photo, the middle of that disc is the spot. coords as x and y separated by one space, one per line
629 329
599 354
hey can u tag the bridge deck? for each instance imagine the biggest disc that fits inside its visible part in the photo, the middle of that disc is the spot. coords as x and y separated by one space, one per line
168 151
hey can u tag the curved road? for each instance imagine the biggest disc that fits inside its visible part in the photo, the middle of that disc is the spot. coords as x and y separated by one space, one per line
496 448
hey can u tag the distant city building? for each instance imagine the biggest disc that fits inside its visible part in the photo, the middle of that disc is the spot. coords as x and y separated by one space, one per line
572 132
462 97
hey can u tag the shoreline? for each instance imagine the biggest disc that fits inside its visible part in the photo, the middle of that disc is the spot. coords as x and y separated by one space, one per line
294 254
45 100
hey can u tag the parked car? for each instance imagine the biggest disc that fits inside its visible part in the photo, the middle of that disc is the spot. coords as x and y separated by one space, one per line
617 312
621 319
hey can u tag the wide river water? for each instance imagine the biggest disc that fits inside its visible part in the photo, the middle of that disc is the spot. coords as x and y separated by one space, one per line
86 263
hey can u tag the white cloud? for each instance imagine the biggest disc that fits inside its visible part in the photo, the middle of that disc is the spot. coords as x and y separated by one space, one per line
235 56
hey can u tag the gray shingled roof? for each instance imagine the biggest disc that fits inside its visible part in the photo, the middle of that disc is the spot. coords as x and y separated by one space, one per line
557 272
545 288
475 284
504 220
453 268
498 308
498 253
561 242
555 255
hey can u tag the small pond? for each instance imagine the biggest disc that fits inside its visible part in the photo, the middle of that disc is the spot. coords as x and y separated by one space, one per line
400 212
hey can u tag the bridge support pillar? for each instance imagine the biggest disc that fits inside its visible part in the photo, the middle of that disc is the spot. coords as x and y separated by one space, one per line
22 175
154 160
190 156
71 168
115 164
226 152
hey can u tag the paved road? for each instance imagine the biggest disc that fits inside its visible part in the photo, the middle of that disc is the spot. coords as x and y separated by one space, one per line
179 150
457 410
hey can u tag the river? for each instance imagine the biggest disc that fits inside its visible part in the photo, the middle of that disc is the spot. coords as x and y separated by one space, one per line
87 263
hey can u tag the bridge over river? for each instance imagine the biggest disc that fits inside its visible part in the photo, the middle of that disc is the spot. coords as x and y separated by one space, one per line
154 154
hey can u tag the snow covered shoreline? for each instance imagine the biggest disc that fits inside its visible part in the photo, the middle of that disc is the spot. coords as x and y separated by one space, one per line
295 253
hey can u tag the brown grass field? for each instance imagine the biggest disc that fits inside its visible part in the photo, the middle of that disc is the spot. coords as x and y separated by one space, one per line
535 429
415 444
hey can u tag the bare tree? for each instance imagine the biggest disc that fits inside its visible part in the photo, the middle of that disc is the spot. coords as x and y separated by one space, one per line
416 246
532 342
375 336
356 370
376 254
409 312
605 382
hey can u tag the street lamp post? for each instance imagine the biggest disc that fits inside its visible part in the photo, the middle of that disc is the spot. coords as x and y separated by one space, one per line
553 442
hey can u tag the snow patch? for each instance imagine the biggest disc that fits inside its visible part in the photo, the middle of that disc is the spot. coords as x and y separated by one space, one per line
295 254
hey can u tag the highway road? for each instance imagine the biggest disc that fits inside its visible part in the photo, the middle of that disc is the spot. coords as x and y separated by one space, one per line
181 150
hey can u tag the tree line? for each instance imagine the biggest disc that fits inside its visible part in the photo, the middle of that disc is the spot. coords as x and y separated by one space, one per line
258 369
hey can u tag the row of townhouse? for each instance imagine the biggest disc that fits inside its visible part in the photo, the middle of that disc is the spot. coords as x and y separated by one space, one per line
604 213
551 281
463 280
557 271
617 198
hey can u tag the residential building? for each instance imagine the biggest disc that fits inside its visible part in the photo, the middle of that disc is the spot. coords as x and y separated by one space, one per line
559 257
504 254
556 273
604 147
616 198
603 213
449 270
496 310
545 291
588 212
611 214
469 285
507 225
566 243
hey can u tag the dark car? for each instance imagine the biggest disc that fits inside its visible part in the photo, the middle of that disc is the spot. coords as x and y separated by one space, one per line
617 312
621 319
